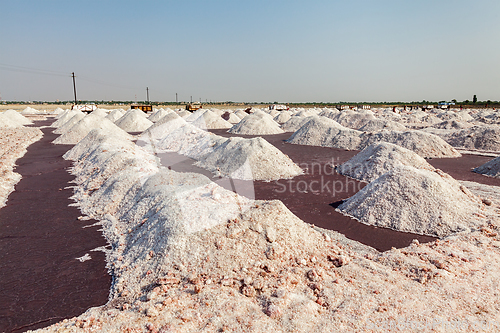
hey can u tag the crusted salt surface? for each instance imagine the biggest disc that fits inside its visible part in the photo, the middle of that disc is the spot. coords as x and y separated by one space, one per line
258 123
79 130
134 121
416 200
249 159
378 159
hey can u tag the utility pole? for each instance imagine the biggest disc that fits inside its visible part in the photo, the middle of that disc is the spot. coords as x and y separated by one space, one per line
176 101
147 93
191 99
74 85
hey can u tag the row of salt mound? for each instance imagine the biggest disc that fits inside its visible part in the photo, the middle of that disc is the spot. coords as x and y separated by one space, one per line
114 115
134 121
490 168
13 119
258 123
415 200
321 131
486 137
92 121
452 124
65 117
283 117
74 118
211 120
158 115
214 152
354 119
378 159
249 159
424 144
377 125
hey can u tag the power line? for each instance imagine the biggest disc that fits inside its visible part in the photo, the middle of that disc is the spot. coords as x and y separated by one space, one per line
21 69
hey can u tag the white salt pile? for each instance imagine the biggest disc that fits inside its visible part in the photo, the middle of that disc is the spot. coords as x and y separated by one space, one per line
158 115
99 112
92 121
258 123
294 123
425 144
378 159
452 124
416 200
64 127
486 137
210 120
194 115
354 119
249 159
30 110
382 125
65 117
8 122
114 115
134 121
230 117
241 114
184 113
282 117
321 131
490 168
329 113
17 117
162 128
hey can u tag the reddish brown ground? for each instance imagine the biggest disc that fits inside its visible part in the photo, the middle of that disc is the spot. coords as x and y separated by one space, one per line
41 282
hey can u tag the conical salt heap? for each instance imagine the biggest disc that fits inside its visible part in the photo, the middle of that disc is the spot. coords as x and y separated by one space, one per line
134 121
417 201
257 124
378 159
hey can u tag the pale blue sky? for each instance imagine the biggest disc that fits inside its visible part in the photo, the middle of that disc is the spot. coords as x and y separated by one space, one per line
287 51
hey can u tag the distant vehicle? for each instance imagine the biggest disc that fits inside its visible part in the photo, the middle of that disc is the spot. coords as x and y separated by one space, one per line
194 106
84 107
144 108
278 107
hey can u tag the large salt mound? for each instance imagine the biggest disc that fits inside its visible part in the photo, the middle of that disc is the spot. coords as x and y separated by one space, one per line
485 137
378 159
329 113
452 124
381 125
79 130
422 143
115 115
321 131
99 112
158 115
490 168
134 121
354 119
241 114
194 115
30 110
210 120
230 117
17 117
8 122
163 127
256 124
64 117
294 123
417 201
283 117
249 159
68 124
